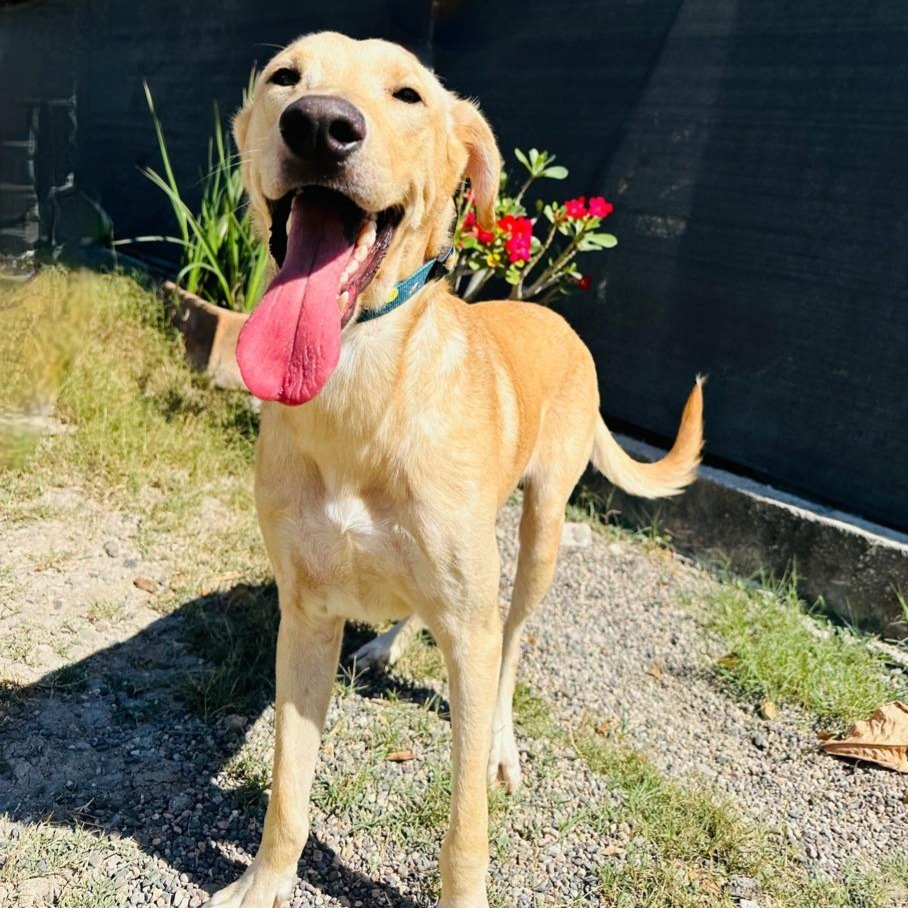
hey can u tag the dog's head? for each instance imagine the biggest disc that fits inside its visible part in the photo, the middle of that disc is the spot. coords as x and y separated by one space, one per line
351 152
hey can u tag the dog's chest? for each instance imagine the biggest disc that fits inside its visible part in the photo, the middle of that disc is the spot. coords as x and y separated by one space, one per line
358 561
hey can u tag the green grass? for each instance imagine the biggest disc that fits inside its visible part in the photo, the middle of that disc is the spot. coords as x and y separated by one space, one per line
94 350
689 842
782 651
589 506
422 660
48 858
236 632
104 610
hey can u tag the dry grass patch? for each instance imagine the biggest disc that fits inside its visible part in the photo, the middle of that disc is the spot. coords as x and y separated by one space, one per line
69 868
92 350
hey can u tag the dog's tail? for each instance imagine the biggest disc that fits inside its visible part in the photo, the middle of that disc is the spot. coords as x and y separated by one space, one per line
665 477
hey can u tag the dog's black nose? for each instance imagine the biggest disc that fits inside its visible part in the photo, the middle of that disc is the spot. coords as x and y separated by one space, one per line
322 128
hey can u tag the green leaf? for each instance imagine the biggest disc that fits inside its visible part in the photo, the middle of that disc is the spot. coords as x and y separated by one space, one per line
534 157
522 158
600 241
555 173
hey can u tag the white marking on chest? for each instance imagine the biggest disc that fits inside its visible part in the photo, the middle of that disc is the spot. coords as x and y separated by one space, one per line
350 515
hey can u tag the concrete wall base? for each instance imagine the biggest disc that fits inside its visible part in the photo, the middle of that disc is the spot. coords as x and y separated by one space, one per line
856 567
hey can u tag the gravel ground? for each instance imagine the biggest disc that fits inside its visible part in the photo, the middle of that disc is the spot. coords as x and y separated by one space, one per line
108 745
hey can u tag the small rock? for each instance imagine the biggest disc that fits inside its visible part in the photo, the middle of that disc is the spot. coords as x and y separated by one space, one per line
576 535
145 584
743 887
768 710
401 756
112 548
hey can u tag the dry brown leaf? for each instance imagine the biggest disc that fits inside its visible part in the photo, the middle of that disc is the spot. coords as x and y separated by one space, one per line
768 710
655 671
145 584
703 881
882 739
401 756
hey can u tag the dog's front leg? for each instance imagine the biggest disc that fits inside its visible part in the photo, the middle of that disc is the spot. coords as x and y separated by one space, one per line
472 651
307 655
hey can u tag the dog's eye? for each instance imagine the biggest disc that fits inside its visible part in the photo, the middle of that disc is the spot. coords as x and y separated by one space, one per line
284 76
408 95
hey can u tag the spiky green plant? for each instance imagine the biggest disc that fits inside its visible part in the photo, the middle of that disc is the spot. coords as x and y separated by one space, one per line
223 260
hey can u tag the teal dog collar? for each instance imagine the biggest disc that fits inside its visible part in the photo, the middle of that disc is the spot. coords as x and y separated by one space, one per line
404 289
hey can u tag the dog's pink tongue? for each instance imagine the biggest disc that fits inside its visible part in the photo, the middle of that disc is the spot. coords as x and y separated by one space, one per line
290 345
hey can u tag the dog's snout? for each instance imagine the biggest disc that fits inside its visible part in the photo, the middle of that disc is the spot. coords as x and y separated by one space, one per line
322 127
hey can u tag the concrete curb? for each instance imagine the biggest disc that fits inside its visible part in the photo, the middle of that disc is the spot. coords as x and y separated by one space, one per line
856 567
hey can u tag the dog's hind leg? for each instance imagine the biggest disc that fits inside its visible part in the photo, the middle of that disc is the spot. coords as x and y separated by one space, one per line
383 651
541 526
561 455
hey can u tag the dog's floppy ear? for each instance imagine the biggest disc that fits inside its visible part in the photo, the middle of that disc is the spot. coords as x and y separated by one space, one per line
483 160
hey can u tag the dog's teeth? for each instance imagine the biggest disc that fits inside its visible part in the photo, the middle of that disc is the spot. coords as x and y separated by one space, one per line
361 252
287 225
367 232
344 298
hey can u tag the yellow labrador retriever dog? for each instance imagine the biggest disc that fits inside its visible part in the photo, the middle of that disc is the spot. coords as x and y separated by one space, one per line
398 419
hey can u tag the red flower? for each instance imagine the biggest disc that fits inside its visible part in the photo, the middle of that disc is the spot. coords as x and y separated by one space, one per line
584 282
484 236
600 208
515 226
575 208
518 246
469 219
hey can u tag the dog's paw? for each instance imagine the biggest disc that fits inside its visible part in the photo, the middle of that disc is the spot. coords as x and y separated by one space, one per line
504 762
378 654
478 901
254 889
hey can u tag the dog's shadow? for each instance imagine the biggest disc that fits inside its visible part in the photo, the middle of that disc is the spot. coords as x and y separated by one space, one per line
129 741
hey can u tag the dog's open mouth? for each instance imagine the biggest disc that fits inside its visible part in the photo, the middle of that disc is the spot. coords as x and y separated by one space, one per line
328 250
368 235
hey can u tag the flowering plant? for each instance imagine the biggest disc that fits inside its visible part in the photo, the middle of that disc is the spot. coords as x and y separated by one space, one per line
537 267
